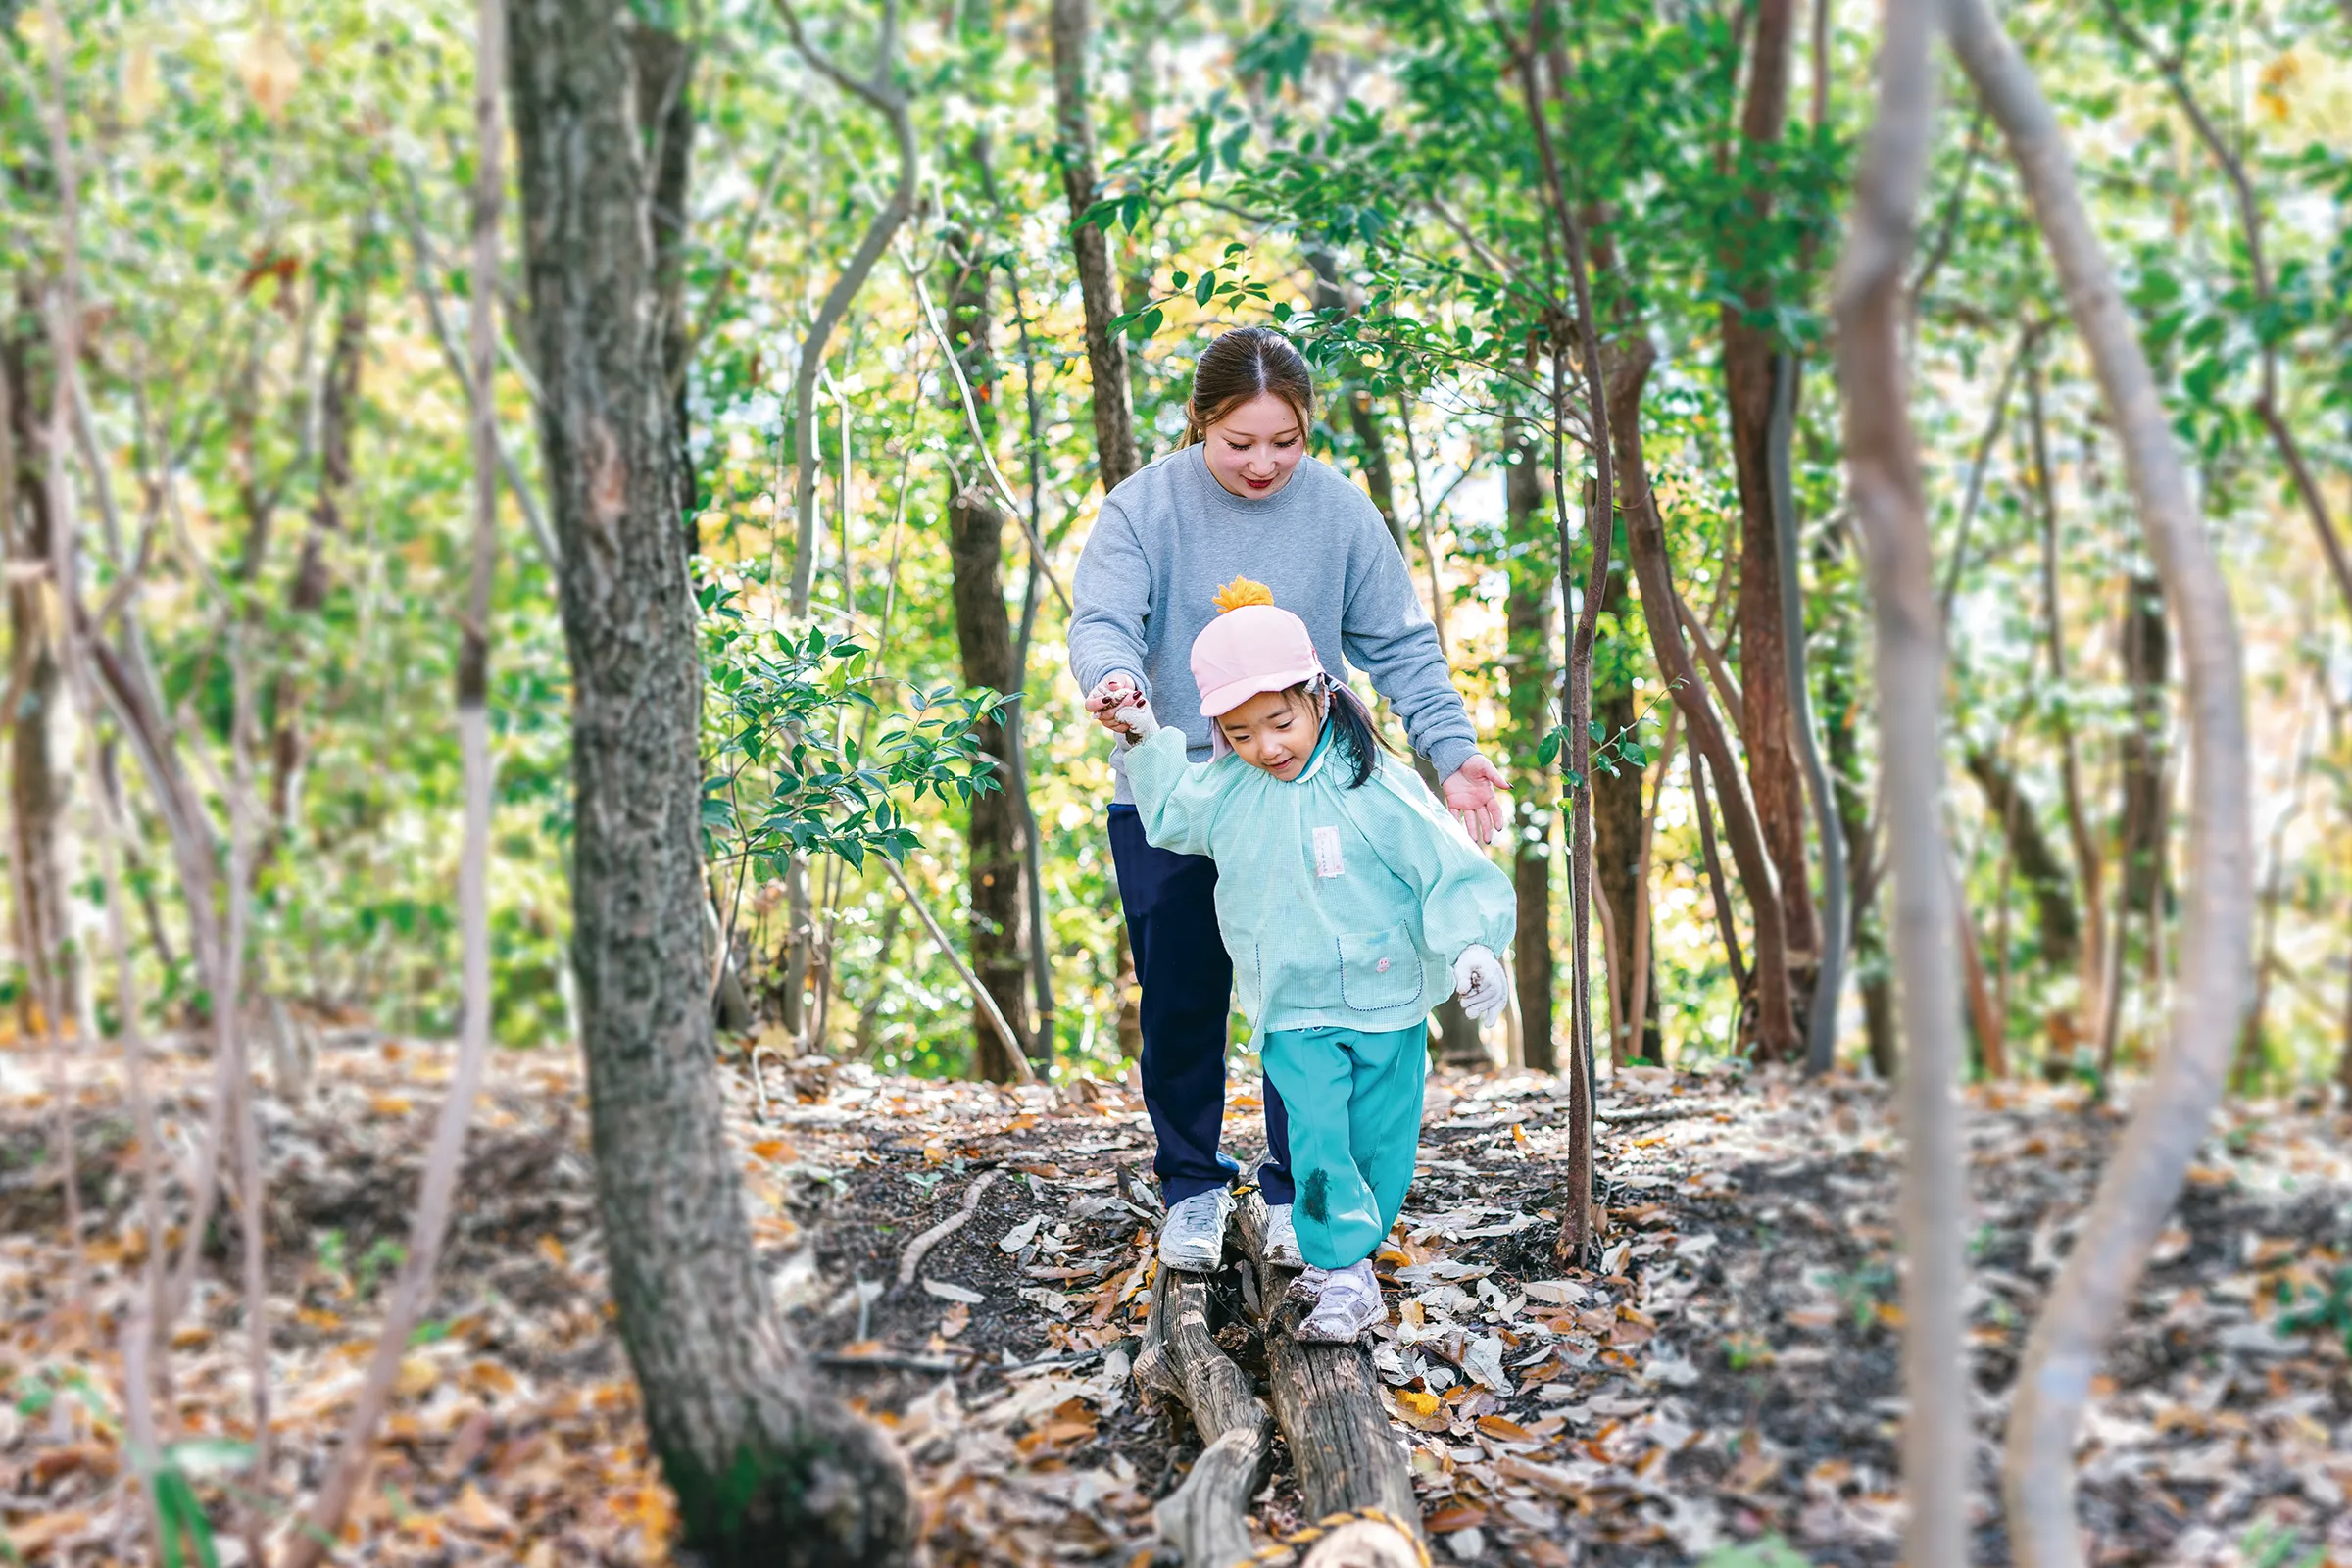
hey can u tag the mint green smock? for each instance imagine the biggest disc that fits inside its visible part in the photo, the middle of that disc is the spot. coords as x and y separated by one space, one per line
1343 910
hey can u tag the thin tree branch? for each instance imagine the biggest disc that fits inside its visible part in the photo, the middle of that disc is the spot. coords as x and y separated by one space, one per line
2144 1175
525 496
884 97
1992 433
963 971
971 419
1890 503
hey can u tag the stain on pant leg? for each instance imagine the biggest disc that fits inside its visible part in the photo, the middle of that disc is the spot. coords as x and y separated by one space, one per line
1316 1197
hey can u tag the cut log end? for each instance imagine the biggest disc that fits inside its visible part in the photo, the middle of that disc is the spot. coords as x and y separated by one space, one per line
1367 1543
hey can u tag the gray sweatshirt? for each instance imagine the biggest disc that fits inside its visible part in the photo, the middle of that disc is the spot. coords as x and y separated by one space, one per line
1171 536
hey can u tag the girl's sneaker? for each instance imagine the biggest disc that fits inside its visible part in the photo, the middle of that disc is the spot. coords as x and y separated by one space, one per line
1348 1305
1307 1283
1282 1238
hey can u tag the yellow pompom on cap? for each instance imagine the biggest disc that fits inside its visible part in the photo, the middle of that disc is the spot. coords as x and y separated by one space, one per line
1243 591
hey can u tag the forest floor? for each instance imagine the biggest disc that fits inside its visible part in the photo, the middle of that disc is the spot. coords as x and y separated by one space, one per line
1725 1385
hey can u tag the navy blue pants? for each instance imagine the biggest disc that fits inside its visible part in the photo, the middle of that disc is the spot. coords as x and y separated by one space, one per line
1169 901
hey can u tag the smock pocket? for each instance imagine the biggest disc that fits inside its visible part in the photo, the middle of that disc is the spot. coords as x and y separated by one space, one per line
1380 969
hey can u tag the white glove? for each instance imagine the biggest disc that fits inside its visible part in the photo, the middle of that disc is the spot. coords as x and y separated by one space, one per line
1142 724
1478 981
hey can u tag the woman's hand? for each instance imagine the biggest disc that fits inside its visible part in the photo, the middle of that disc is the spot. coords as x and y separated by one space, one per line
1472 796
1112 693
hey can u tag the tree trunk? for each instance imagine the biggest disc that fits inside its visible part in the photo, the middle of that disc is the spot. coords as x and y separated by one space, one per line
1777 1038
1363 418
2144 1175
995 834
999 927
1618 816
1531 707
1888 494
306 595
39 793
665 123
767 1468
2037 864
1089 246
1774 783
1115 456
2142 748
2088 868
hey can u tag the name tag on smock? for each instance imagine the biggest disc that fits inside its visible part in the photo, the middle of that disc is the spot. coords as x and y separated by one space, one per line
1327 853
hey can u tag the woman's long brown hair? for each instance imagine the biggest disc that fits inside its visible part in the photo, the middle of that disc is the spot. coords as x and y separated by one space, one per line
1240 364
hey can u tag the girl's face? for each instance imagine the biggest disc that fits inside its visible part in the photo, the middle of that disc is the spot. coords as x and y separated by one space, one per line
1253 451
1275 732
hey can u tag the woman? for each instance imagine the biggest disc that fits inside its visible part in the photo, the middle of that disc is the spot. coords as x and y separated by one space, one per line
1240 498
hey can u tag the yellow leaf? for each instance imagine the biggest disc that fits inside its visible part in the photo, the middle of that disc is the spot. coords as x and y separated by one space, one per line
1420 1404
775 1148
268 68
139 89
476 1512
1502 1429
416 1374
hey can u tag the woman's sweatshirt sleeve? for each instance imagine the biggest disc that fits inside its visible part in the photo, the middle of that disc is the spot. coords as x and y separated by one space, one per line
1177 799
1467 899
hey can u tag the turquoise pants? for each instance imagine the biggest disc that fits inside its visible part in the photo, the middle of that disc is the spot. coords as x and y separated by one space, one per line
1354 1100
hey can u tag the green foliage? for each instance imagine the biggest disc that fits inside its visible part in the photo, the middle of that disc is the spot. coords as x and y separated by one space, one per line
1766 1552
2311 1310
247 180
2268 1543
790 778
1610 751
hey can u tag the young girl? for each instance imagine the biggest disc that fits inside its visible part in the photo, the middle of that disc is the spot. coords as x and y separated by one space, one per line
1351 905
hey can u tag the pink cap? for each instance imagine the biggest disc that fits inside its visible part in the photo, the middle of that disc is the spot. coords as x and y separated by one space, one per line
1248 650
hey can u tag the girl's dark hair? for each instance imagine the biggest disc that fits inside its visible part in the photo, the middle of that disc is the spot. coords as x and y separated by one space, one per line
1355 731
1241 365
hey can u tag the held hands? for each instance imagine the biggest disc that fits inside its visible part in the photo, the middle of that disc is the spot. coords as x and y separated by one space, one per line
1478 981
1471 796
1141 723
1112 694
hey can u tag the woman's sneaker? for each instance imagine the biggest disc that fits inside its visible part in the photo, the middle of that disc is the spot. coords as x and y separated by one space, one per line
1282 1238
1348 1305
1192 1236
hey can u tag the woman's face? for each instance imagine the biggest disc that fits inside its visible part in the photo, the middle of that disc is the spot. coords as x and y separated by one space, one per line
1275 732
1253 451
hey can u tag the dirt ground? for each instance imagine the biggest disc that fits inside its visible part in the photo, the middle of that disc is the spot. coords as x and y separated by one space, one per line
1724 1387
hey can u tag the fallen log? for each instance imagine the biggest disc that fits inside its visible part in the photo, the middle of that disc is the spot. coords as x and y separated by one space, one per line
1206 1519
1353 1470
